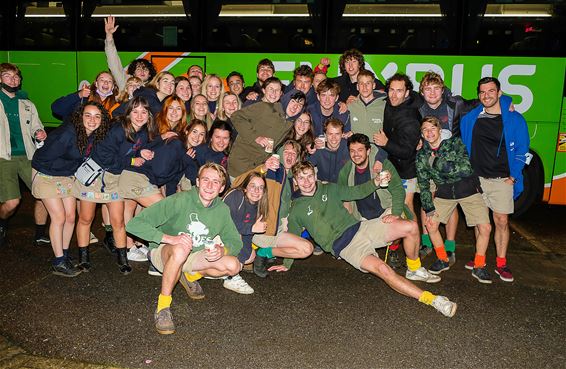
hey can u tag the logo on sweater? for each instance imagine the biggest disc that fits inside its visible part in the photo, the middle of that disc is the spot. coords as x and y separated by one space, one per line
198 231
324 198
310 211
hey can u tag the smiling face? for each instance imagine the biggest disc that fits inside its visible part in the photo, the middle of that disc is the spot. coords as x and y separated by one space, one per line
11 78
359 154
195 83
264 73
303 83
92 118
166 84
272 92
200 107
327 99
290 157
213 89
139 117
209 184
141 72
432 94
183 90
294 107
489 94
352 66
366 85
174 113
195 71
333 137
306 181
397 93
229 105
220 140
318 77
104 83
196 135
255 190
302 125
431 133
236 85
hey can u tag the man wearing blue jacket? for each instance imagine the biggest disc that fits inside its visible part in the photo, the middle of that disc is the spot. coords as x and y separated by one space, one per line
497 141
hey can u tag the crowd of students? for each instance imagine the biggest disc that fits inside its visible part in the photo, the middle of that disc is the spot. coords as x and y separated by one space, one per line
320 165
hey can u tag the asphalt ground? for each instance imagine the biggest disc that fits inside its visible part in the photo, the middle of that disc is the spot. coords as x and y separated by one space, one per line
321 314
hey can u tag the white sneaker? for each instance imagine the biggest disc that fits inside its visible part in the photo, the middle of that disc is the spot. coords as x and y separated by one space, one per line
135 254
238 285
444 306
93 238
143 248
422 275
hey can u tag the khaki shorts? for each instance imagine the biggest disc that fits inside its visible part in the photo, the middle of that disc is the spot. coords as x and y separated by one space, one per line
136 185
10 171
261 240
498 195
93 193
157 261
185 184
369 237
473 206
51 187
410 185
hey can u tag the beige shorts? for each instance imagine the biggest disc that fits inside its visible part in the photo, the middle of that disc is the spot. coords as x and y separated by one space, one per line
157 261
473 206
498 195
185 184
93 193
136 185
51 187
410 185
261 240
369 237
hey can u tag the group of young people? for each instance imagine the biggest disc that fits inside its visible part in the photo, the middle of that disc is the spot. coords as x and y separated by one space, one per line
204 177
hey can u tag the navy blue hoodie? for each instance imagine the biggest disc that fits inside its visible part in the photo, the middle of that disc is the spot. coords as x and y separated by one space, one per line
329 163
318 119
63 107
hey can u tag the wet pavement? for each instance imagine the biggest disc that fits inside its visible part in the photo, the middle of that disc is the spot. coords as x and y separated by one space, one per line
321 314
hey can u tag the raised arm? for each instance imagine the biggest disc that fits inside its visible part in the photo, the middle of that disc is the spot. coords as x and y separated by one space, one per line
112 58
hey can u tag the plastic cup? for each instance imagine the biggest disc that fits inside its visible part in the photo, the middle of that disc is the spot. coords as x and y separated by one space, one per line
383 182
269 147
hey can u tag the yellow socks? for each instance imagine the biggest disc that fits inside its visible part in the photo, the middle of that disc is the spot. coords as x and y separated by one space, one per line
193 277
413 265
163 302
427 298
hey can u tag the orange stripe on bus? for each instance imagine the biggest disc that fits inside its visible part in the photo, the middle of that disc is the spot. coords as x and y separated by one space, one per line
161 60
558 192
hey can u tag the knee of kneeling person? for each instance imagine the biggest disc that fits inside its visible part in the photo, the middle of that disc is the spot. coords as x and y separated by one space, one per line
232 265
306 248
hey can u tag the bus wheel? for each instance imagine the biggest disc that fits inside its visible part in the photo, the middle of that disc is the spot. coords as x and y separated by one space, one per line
533 182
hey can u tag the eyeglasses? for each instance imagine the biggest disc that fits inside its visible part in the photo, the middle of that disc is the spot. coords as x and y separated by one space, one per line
256 188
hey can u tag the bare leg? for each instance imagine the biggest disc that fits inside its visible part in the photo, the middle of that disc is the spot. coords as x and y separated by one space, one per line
482 238
57 213
8 208
501 235
292 246
377 267
408 230
40 212
86 216
452 225
70 205
116 210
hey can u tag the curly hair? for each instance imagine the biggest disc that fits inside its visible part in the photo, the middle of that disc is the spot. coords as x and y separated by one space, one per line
144 63
351 54
78 123
400 77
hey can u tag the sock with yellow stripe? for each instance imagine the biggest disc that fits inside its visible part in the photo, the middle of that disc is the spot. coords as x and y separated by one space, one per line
265 252
193 277
413 265
427 298
163 302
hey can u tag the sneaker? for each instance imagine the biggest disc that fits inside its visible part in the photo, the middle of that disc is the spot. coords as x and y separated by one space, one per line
153 271
194 289
422 275
164 321
394 260
451 257
504 273
425 251
3 232
93 238
469 265
65 269
42 240
143 248
439 266
317 251
109 243
260 266
238 285
135 254
482 275
444 306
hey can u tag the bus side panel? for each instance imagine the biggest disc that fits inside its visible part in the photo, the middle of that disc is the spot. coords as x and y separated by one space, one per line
47 76
558 188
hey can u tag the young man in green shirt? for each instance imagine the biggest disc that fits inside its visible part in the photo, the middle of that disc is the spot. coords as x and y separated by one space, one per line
181 230
320 210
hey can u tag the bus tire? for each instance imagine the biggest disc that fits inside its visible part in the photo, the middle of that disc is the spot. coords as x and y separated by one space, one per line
533 183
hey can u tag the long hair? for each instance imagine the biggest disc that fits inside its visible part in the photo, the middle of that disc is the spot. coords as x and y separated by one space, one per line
127 122
109 102
123 96
205 84
263 204
192 107
307 139
101 131
192 125
221 112
161 120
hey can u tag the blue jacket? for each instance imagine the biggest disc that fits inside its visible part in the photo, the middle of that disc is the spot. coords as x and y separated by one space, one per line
329 163
318 119
59 156
516 136
63 107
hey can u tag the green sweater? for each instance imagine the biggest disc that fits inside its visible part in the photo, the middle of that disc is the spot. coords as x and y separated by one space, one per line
324 215
184 212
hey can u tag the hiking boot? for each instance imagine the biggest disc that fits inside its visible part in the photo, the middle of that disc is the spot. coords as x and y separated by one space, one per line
422 275
238 285
65 269
84 259
194 289
317 251
425 251
504 273
42 240
109 243
470 265
451 257
444 306
164 321
122 257
394 260
482 275
93 238
136 254
439 266
260 266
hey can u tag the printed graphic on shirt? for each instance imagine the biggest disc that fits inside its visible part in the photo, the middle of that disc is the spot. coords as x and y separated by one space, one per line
198 231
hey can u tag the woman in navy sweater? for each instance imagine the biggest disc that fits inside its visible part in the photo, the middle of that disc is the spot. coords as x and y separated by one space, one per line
53 168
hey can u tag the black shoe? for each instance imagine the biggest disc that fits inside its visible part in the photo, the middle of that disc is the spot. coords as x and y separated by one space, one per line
122 254
84 259
394 260
260 266
65 269
109 243
42 240
3 232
